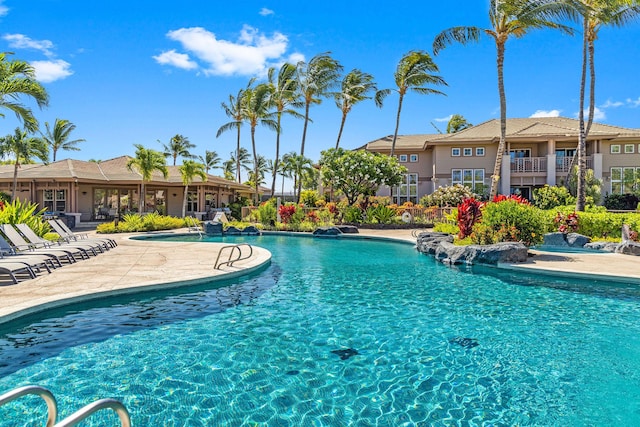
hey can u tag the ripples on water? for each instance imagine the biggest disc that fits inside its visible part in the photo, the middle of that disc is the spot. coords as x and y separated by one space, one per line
344 333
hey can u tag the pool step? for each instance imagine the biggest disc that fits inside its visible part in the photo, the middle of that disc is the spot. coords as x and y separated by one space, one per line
76 417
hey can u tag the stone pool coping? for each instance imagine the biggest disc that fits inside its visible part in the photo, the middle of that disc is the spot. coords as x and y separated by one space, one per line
156 264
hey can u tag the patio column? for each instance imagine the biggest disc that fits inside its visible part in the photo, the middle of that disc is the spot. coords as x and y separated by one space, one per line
551 169
597 165
505 175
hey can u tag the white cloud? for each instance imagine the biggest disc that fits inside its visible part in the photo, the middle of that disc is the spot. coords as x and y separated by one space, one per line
634 102
444 119
545 113
612 104
49 71
251 55
598 114
180 60
294 58
3 9
20 41
264 11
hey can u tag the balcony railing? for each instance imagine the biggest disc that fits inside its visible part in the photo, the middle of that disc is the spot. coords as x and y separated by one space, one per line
564 163
529 165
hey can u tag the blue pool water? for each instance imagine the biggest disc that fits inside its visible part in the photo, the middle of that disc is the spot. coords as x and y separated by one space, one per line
341 333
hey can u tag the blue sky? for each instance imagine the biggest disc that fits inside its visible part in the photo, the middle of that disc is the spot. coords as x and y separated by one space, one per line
135 72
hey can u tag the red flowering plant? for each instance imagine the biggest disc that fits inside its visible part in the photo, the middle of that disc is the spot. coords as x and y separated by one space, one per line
313 216
469 213
501 198
286 212
567 223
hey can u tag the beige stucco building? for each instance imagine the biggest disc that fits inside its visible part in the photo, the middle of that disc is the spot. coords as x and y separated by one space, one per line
539 151
98 191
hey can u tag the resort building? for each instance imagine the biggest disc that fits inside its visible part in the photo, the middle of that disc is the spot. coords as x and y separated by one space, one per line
540 151
93 191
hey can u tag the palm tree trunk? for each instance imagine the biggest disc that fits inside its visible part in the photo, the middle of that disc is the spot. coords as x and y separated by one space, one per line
277 159
255 163
495 178
580 196
184 201
238 157
395 133
141 206
304 137
592 87
344 118
54 150
15 180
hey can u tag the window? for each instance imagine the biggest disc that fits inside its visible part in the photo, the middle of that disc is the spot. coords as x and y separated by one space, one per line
629 148
407 191
615 149
624 180
192 201
472 178
468 152
55 200
413 158
480 151
455 152
403 158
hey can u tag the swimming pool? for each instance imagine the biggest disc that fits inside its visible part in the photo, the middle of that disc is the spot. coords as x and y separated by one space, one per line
342 332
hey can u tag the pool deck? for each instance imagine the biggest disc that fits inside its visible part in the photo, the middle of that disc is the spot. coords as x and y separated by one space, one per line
148 264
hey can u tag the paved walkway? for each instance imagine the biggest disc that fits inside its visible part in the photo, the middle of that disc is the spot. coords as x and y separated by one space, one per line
138 263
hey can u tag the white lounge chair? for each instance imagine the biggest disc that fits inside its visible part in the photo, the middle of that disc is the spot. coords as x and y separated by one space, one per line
39 242
22 246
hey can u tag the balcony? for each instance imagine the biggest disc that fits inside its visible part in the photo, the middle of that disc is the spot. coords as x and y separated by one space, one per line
564 163
529 165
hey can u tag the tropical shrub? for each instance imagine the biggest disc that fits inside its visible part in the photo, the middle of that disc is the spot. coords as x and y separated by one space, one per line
514 221
469 212
606 224
266 213
286 212
621 202
448 196
309 197
381 214
550 197
18 212
567 223
237 205
131 223
352 214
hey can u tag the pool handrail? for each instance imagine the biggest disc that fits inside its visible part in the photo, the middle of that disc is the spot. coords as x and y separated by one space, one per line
45 394
230 261
98 405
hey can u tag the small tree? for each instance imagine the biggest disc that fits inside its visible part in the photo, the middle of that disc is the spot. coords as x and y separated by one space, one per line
188 171
145 163
359 172
21 149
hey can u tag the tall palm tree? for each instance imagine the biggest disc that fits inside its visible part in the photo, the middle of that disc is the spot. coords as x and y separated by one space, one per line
456 123
178 146
17 78
145 163
285 168
256 112
22 148
58 137
263 167
284 94
508 18
297 165
316 78
354 88
242 159
233 110
414 73
188 171
211 160
595 14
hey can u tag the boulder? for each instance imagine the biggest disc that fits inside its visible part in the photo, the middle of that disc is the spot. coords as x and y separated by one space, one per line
628 248
555 239
427 242
232 231
576 240
251 230
327 232
503 252
213 228
602 246
348 229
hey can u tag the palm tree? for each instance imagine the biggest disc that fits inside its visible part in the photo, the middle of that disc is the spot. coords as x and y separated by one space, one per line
17 78
354 88
229 169
58 138
595 14
146 162
413 73
285 168
233 110
178 146
508 18
211 160
315 80
297 165
283 95
242 159
457 123
22 148
188 171
255 112
263 167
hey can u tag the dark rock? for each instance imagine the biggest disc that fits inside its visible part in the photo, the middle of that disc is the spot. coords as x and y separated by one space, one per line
251 231
628 248
428 242
232 231
576 240
555 239
602 246
327 232
213 228
348 229
503 252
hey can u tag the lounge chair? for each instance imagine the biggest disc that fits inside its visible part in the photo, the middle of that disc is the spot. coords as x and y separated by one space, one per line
9 252
22 246
13 267
69 236
39 242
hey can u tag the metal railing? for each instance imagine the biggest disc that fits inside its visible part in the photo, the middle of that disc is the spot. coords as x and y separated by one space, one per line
529 164
193 225
231 249
76 417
